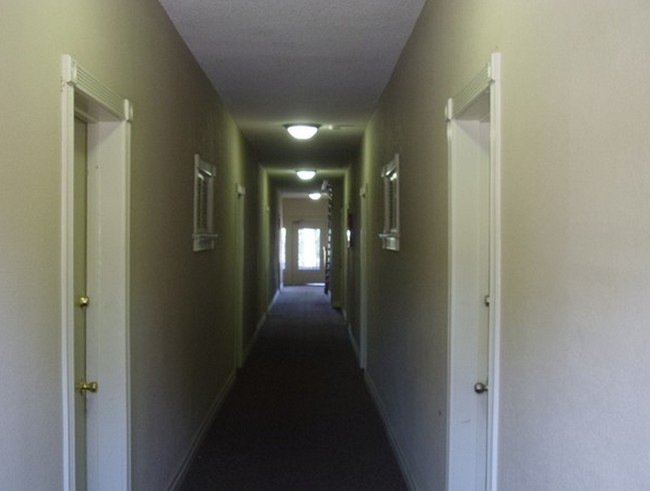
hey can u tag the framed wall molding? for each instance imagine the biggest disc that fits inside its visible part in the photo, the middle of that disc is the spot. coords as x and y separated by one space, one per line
390 237
204 174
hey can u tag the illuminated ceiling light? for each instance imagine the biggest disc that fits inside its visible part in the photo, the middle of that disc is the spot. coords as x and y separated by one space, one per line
306 175
315 196
302 131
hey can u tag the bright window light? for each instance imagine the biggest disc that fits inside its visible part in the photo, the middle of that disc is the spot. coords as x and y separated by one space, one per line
309 257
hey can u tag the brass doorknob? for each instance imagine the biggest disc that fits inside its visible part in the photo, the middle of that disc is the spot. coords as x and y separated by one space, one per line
84 387
480 387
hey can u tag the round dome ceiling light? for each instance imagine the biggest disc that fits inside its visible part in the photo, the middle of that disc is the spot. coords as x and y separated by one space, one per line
315 196
306 175
302 131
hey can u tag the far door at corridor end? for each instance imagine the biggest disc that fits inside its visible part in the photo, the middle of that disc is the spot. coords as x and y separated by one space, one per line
305 251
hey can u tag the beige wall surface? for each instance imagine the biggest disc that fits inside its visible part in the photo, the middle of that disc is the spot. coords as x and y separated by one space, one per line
576 261
575 237
303 207
181 305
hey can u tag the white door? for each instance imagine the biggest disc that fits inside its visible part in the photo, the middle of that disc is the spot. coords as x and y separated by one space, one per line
96 136
86 300
306 249
471 205
84 388
482 170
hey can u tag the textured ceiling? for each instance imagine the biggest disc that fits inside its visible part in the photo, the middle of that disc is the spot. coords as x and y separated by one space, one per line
280 61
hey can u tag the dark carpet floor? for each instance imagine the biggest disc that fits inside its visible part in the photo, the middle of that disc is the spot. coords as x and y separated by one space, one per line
299 417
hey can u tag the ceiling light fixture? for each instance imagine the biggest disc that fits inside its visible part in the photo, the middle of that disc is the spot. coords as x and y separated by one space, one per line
302 131
306 175
315 196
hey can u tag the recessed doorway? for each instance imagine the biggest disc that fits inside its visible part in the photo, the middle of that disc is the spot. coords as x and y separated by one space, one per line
474 272
304 246
94 294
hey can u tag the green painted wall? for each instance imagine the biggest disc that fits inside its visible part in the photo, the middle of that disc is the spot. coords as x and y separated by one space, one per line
576 264
181 302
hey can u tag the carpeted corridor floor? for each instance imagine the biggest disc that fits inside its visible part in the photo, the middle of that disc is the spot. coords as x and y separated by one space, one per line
299 417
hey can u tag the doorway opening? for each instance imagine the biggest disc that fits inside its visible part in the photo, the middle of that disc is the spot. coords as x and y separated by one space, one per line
303 241
473 118
94 292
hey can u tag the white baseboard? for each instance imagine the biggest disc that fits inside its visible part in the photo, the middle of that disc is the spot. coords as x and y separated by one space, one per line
201 432
214 408
249 348
392 437
273 300
259 325
354 343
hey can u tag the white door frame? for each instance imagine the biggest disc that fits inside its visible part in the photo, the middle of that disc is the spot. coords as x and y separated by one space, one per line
240 231
487 81
109 116
363 277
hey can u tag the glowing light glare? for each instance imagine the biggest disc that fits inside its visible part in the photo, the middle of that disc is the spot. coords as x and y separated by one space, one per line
306 175
302 131
315 196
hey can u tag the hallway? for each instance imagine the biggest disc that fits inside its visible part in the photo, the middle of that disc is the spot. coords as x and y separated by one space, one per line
299 416
146 157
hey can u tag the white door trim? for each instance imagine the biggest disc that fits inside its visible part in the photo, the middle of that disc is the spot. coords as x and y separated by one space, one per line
240 240
110 116
363 277
487 80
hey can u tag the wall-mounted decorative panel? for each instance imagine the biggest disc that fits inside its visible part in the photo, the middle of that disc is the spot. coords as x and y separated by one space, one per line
204 174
